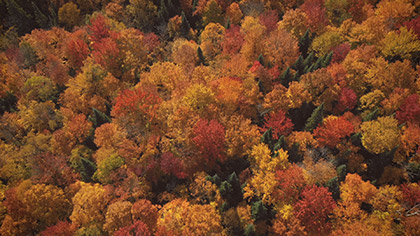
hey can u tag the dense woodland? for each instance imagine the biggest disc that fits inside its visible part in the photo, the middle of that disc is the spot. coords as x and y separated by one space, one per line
209 117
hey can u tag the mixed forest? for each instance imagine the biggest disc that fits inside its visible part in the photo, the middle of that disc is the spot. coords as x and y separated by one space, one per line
209 117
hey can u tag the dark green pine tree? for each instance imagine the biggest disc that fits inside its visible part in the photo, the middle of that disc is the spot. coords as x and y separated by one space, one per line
53 18
215 179
163 13
259 211
85 167
281 143
371 116
342 172
185 25
201 59
334 187
171 8
224 207
267 138
227 25
260 59
250 230
236 195
225 189
327 59
308 60
298 65
98 118
309 69
18 18
40 18
285 77
315 119
304 43
317 64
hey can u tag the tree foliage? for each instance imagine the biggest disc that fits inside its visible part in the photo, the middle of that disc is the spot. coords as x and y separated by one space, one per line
209 117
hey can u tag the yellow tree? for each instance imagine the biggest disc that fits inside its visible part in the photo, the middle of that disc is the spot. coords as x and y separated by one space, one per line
32 208
167 76
89 205
240 136
356 64
400 44
387 76
199 99
370 31
39 116
324 43
203 191
253 34
179 217
38 88
322 87
380 135
211 40
135 49
370 101
234 13
353 192
295 22
263 183
394 12
92 88
118 215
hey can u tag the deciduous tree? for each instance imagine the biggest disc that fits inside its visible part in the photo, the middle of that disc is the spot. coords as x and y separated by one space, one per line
380 135
333 130
315 209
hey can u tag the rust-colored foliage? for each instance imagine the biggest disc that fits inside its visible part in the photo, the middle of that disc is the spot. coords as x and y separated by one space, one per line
332 130
314 209
99 29
138 228
233 40
411 193
290 183
106 53
279 123
136 105
269 19
63 228
53 169
414 25
340 52
347 100
143 210
316 13
190 117
209 138
172 165
409 110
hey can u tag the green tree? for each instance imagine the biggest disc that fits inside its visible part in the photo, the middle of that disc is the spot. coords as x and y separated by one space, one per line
315 119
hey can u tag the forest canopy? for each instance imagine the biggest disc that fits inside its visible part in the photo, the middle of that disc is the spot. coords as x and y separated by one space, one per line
209 117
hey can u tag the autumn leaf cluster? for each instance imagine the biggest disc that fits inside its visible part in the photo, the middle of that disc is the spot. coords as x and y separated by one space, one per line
209 117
